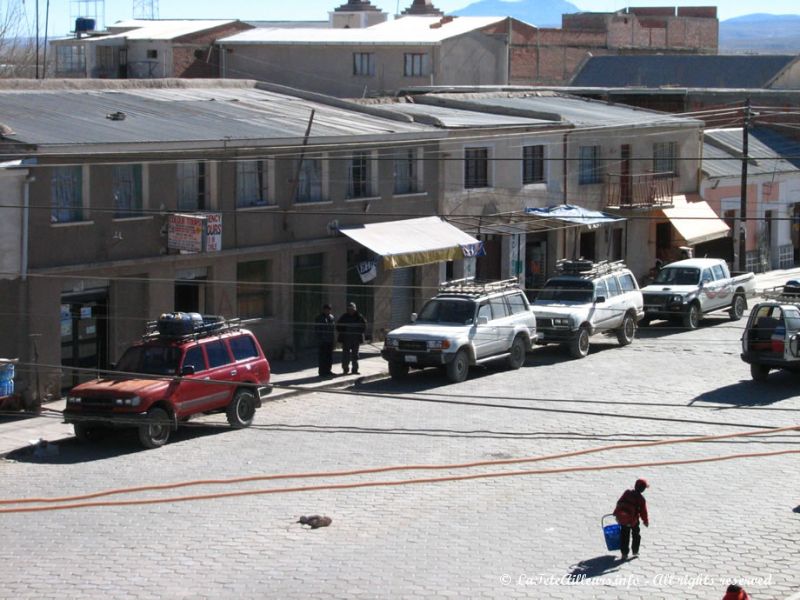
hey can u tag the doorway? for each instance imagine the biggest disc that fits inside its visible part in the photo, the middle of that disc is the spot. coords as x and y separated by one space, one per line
588 244
84 335
308 298
190 295
625 188
363 294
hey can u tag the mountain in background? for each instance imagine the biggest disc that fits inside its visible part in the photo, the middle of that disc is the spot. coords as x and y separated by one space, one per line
542 13
760 33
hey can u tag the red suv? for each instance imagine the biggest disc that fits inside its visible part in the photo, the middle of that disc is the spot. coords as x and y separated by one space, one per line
185 364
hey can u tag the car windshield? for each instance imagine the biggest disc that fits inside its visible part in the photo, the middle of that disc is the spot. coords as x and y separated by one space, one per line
566 290
449 312
678 276
150 360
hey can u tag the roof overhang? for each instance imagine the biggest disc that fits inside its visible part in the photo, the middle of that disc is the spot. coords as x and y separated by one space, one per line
414 242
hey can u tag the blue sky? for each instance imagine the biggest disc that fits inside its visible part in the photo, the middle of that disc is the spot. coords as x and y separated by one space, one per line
61 10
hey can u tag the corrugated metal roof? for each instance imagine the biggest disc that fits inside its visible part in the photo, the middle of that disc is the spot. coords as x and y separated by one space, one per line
158 30
207 114
454 118
580 112
406 30
704 71
722 153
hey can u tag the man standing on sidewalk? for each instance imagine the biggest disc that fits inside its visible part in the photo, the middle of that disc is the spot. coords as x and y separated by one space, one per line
325 332
351 327
630 508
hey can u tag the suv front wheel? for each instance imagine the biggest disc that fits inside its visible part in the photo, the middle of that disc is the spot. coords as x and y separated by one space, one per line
241 410
155 432
458 369
579 346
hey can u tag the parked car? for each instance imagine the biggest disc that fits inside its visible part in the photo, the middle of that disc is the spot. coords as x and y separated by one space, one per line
771 338
587 298
184 365
687 289
467 323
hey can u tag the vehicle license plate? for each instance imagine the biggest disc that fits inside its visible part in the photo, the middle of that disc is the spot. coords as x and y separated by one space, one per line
410 358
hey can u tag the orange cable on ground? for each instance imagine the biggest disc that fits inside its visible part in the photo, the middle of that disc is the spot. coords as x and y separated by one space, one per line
374 470
341 486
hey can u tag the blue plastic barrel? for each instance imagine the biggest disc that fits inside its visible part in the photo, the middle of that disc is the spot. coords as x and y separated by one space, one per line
610 533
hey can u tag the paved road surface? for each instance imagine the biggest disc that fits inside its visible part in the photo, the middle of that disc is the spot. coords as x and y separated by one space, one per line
534 536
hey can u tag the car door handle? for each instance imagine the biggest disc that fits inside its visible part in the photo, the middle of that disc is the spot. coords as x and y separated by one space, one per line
234 372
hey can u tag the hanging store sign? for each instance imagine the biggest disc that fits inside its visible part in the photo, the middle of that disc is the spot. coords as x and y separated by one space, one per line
195 233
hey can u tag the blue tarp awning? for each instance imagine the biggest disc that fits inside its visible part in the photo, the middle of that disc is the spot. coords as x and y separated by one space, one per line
573 214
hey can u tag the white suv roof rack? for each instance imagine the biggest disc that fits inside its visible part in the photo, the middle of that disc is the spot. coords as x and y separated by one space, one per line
587 268
470 286
778 294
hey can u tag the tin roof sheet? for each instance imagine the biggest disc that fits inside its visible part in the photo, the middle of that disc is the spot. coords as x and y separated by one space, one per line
180 114
722 153
405 30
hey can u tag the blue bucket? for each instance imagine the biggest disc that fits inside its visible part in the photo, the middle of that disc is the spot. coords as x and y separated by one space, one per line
611 533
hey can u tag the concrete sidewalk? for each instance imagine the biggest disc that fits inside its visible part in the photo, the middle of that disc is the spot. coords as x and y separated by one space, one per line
290 378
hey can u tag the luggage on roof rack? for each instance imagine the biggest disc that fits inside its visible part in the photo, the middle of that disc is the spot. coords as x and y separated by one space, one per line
475 287
587 268
178 325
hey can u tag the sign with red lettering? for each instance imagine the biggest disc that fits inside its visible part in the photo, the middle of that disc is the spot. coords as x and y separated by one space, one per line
186 232
213 232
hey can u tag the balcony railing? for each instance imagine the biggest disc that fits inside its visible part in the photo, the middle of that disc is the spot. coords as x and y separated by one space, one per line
639 191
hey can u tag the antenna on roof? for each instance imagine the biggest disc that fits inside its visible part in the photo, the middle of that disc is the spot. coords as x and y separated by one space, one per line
145 9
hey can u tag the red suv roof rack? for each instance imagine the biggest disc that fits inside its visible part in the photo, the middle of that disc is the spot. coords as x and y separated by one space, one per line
206 326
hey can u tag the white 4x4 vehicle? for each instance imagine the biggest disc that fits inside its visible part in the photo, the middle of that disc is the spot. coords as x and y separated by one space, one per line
587 298
467 323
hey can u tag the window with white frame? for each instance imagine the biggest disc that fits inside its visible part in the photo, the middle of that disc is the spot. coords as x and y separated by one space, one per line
71 58
532 164
126 186
406 171
476 168
364 64
254 289
416 64
66 195
309 180
359 175
192 185
251 183
664 158
590 168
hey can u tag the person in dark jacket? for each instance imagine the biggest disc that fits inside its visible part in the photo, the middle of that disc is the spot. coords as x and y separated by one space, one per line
630 508
350 328
325 332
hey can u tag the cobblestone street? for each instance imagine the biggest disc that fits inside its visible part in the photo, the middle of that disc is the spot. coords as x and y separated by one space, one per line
534 535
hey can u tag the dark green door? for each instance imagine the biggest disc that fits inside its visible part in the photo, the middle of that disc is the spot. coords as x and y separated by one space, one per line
308 298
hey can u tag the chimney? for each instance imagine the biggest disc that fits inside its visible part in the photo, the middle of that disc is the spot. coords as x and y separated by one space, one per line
356 14
423 8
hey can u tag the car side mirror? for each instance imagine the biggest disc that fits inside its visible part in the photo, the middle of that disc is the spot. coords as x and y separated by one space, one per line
600 299
413 317
187 370
483 320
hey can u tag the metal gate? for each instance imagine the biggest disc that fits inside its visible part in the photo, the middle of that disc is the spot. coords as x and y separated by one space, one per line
402 297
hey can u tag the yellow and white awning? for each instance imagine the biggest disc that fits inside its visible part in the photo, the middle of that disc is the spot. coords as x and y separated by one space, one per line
414 242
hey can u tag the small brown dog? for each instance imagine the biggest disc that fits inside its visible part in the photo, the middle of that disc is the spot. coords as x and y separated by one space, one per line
315 521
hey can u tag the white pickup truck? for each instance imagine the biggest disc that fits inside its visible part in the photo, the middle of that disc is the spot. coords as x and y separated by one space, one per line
689 289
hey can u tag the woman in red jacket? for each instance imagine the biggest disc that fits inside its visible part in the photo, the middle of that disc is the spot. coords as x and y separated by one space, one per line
630 508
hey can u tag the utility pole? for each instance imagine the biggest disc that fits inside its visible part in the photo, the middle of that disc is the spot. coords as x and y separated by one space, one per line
743 194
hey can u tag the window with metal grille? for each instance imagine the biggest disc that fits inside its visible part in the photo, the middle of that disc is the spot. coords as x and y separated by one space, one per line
254 289
251 183
66 189
532 164
416 65
71 59
476 168
358 175
589 165
363 64
664 158
126 185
